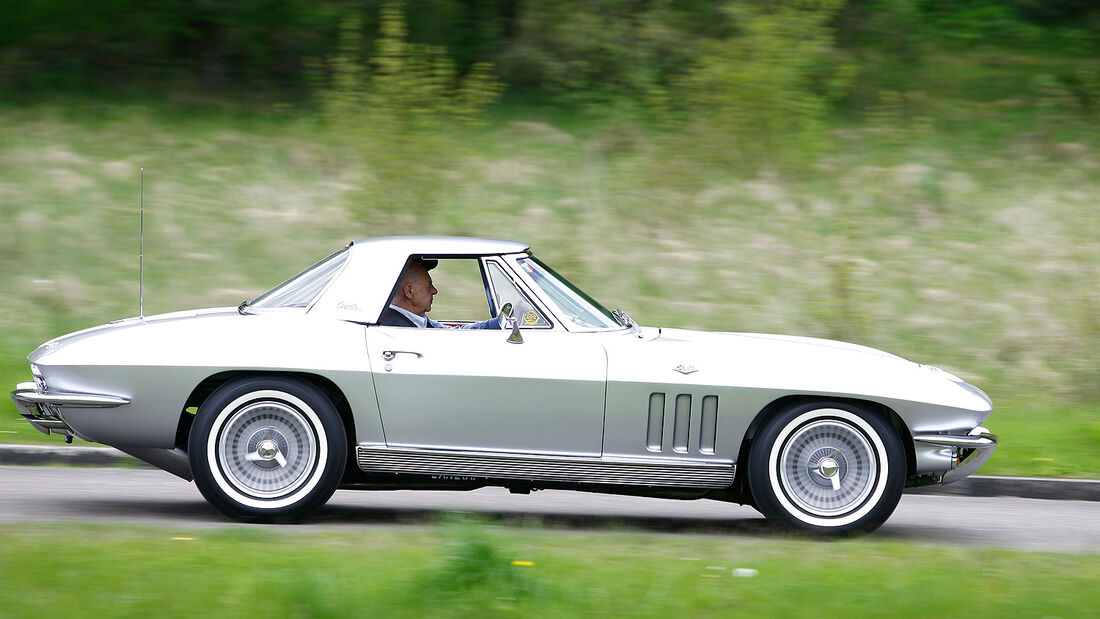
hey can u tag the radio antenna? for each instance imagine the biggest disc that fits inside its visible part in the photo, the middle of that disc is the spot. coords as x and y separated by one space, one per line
141 245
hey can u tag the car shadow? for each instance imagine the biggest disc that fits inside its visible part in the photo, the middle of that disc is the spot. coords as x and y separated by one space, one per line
184 512
149 509
351 515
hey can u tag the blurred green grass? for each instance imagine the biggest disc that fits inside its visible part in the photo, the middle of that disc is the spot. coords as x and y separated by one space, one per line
466 568
970 247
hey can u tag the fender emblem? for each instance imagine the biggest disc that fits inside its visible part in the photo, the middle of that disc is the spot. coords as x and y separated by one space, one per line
685 368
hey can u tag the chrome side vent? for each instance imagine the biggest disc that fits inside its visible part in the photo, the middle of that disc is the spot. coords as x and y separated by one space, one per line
656 428
708 425
682 423
694 424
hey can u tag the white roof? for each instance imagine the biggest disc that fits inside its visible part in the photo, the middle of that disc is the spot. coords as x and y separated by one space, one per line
362 288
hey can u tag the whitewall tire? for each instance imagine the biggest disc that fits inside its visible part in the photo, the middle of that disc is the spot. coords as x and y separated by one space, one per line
827 467
267 449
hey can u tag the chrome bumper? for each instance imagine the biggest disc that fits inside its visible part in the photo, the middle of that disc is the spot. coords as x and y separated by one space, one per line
42 408
959 456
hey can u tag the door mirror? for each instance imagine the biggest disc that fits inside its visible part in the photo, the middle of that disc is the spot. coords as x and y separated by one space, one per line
507 319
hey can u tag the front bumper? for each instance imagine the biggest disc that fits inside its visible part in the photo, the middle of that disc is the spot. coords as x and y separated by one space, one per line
42 409
956 456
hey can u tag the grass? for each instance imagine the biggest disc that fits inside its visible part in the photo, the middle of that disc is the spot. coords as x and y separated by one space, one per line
974 249
466 568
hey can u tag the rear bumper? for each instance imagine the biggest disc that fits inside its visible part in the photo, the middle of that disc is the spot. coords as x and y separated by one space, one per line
956 456
42 409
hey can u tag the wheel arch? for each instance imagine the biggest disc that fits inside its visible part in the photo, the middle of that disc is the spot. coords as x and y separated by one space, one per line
211 383
783 403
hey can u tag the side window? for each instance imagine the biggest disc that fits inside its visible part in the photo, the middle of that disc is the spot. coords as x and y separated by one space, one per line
461 291
504 291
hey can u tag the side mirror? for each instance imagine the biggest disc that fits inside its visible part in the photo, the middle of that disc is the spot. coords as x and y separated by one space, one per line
507 319
622 318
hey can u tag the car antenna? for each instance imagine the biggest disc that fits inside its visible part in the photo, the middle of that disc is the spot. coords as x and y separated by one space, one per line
141 245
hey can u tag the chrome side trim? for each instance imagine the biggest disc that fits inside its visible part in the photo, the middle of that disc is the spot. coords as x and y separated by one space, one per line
574 469
979 445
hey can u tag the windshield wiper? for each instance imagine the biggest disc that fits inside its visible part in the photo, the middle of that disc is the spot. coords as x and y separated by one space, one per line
242 306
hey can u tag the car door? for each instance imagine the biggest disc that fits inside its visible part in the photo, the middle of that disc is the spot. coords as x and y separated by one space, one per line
469 389
458 389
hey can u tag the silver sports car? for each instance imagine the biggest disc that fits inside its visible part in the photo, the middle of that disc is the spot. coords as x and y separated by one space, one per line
271 406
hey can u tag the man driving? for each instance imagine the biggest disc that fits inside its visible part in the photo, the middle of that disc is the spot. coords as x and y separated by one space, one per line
413 299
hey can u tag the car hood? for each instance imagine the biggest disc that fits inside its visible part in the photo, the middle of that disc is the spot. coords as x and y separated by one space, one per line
785 363
774 344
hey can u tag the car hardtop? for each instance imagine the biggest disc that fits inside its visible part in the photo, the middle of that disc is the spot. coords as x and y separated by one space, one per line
364 284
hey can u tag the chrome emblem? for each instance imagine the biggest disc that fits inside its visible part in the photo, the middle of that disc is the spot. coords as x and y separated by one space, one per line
685 368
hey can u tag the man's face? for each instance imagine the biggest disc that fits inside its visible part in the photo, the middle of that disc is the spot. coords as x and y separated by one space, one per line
422 291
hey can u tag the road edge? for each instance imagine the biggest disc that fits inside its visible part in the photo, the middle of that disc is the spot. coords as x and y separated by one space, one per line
974 486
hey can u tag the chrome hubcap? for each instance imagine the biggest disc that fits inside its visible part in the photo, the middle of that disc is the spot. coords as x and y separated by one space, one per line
828 467
267 449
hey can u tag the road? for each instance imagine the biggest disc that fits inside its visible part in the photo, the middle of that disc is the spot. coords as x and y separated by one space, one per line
155 498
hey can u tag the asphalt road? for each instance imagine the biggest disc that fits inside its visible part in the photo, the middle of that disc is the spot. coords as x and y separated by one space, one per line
155 498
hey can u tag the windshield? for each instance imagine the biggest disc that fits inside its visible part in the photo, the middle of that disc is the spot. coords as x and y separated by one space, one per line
299 290
578 307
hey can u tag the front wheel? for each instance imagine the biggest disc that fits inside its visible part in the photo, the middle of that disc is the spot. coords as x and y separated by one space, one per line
267 449
828 468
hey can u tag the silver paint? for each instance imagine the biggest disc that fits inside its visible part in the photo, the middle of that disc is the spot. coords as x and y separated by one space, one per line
566 392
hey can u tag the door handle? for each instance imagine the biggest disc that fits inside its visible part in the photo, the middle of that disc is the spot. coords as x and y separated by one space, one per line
388 355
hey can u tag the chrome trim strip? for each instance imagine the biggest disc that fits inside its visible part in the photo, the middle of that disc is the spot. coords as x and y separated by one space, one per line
982 441
572 469
66 398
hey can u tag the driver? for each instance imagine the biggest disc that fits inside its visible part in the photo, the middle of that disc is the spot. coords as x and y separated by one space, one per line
413 298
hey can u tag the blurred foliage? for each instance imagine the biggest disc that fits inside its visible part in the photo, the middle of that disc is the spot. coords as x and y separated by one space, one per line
393 110
595 52
472 559
565 50
763 94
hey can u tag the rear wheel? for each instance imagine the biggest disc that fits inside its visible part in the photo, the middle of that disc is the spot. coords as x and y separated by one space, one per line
827 467
267 449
